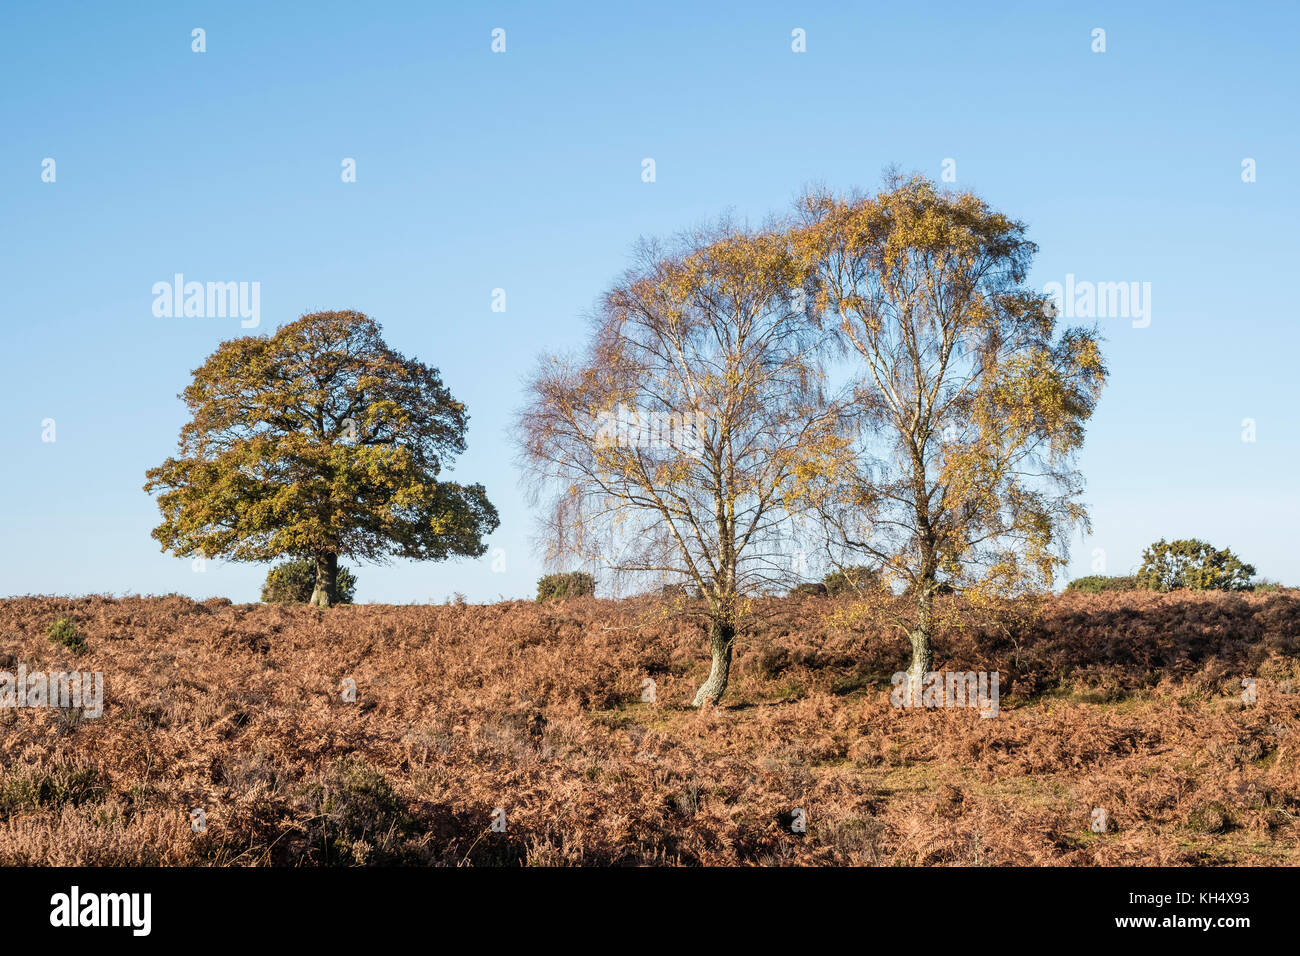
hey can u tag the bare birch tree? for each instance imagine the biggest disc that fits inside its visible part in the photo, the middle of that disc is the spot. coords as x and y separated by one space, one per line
969 406
676 446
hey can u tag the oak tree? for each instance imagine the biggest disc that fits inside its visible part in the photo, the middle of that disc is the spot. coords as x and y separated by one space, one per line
315 442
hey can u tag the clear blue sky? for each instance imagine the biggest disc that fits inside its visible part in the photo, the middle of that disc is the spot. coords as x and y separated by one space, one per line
522 171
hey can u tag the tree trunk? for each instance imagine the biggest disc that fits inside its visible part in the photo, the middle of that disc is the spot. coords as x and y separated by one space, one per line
922 655
327 569
721 638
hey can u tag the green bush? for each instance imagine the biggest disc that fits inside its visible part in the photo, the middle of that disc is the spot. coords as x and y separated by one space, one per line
676 590
568 585
809 589
940 587
26 788
355 817
852 580
294 581
1194 565
64 632
1097 583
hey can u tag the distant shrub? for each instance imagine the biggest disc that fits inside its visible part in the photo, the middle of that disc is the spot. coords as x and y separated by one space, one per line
698 592
294 581
1097 583
1194 565
852 580
1267 586
568 585
64 632
942 587
809 589
675 590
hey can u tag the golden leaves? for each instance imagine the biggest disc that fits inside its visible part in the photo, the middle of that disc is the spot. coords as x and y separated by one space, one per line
319 438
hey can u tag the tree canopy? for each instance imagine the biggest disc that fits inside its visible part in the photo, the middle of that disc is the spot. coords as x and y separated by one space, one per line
945 465
674 448
319 441
967 401
1192 564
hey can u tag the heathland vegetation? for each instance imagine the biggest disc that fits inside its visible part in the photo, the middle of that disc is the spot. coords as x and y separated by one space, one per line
1133 704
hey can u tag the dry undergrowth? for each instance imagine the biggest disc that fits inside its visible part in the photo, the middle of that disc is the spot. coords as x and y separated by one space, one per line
1129 702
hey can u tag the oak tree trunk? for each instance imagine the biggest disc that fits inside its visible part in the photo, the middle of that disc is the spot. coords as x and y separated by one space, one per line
327 570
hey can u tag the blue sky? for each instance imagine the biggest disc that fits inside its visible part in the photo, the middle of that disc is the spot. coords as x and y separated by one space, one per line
522 171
